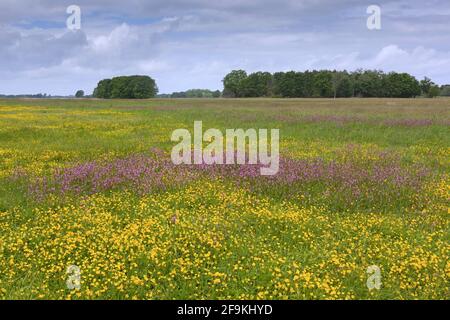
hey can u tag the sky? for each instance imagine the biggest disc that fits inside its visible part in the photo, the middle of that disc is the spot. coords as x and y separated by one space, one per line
185 44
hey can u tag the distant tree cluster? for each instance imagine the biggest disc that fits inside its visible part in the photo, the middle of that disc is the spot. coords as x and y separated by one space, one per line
429 88
26 96
445 90
79 94
193 93
326 84
126 87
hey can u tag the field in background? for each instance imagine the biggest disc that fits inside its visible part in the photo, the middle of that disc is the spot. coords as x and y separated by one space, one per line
89 183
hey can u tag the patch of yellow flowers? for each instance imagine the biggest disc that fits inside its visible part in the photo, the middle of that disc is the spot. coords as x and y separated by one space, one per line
213 240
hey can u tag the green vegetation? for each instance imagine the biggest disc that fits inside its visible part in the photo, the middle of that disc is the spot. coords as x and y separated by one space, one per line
132 87
322 84
193 93
429 88
445 90
79 94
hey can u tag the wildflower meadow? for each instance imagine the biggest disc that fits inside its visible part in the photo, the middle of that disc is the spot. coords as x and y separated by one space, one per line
93 207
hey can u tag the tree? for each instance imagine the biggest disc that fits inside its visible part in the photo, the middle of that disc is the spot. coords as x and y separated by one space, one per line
300 85
79 94
177 95
290 84
369 83
103 90
336 82
194 93
402 85
425 85
345 89
142 87
322 84
429 88
233 83
284 84
434 91
132 87
342 85
445 90
258 84
308 83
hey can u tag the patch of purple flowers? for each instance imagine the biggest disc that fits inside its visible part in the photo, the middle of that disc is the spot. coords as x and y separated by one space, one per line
141 173
350 175
349 179
409 122
345 119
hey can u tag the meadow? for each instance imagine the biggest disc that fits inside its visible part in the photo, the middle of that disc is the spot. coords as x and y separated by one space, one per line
90 183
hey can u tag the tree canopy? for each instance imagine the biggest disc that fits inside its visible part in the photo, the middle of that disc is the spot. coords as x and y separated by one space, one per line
445 90
79 94
126 87
321 84
234 84
429 88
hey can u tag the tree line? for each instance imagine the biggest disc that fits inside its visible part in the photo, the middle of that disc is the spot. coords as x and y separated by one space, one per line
327 84
193 93
445 90
292 84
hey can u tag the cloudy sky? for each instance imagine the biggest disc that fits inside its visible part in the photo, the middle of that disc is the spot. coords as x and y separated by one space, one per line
187 44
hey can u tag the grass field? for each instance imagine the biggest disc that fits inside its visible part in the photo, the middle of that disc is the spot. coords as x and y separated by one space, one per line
90 183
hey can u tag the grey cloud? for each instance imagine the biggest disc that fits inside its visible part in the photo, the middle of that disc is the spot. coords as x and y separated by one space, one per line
38 49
